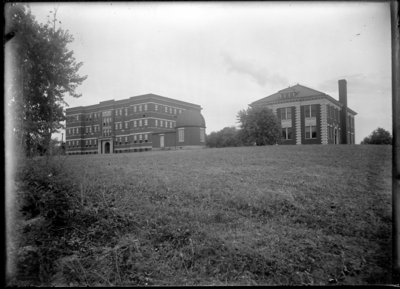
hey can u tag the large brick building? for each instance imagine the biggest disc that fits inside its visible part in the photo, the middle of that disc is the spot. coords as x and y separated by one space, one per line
139 123
309 116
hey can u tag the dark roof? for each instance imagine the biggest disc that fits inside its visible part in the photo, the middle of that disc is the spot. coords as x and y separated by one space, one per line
190 118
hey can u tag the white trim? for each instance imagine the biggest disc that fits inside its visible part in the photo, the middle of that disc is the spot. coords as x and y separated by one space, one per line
324 122
298 123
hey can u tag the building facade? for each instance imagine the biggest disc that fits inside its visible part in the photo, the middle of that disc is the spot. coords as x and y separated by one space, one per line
309 116
139 123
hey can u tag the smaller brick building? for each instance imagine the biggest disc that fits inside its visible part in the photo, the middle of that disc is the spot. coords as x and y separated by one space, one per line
309 116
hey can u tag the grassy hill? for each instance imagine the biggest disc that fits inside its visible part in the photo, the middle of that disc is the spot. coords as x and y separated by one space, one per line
276 215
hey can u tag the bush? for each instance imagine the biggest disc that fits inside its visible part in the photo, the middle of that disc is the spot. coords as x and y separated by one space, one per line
379 136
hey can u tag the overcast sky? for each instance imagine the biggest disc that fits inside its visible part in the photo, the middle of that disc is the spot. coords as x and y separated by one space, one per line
223 56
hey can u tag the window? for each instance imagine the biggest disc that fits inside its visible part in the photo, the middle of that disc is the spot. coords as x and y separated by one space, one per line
311 132
90 129
140 122
134 123
170 110
286 113
145 138
126 111
134 108
202 134
135 138
287 133
145 107
161 123
179 111
174 110
126 124
140 138
329 111
90 143
170 124
145 122
116 126
156 107
310 110
77 117
156 122
349 137
140 107
95 142
166 109
181 135
120 140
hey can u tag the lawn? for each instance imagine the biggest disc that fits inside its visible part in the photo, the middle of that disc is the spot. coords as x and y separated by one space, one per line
275 215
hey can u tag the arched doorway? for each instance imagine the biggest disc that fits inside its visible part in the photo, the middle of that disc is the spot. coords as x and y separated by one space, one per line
107 148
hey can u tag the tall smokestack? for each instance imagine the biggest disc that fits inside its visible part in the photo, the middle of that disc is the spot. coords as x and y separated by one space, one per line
343 115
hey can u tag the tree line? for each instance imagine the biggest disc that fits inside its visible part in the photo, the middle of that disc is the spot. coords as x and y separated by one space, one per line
260 126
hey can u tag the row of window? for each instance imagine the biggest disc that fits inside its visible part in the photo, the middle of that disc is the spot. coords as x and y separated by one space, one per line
120 125
116 151
309 111
75 143
287 94
311 132
118 140
125 111
136 138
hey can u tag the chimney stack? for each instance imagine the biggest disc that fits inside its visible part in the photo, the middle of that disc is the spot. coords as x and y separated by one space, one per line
343 114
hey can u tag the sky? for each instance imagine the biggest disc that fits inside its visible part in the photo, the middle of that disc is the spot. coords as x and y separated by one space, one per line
226 55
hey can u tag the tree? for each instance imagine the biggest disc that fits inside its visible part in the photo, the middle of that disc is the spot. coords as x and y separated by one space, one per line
41 70
227 137
379 136
259 125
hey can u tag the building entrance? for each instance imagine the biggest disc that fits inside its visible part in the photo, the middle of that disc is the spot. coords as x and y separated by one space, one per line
107 148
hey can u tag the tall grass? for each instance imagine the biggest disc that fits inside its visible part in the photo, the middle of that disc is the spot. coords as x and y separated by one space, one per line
278 215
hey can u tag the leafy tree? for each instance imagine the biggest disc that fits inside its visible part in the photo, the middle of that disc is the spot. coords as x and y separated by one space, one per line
259 125
379 136
40 71
227 137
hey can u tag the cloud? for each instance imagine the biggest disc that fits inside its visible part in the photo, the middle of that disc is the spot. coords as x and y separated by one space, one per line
360 83
255 70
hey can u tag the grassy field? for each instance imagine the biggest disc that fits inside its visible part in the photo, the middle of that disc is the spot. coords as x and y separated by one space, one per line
276 215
